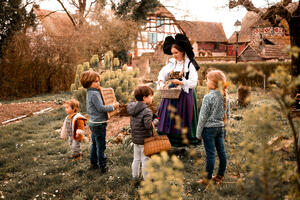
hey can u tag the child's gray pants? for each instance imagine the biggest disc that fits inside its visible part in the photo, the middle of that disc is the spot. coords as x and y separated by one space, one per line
75 146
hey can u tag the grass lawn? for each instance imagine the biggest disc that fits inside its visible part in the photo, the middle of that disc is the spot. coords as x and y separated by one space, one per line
35 163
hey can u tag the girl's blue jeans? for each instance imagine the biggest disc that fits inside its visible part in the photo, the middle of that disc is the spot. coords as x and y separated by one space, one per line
97 155
214 138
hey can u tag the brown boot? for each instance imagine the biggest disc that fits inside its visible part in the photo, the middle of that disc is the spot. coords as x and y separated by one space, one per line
218 179
77 157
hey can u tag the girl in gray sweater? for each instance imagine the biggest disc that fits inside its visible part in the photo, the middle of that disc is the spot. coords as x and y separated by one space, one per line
213 115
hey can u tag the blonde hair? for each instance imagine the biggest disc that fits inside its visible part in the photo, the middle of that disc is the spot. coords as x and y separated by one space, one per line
74 104
88 77
218 77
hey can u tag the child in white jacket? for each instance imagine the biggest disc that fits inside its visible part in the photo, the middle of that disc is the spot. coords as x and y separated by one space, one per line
73 128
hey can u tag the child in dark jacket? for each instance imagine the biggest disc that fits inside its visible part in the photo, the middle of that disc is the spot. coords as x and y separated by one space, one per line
141 127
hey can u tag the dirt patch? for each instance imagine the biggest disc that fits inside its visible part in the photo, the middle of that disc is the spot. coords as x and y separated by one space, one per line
115 124
13 110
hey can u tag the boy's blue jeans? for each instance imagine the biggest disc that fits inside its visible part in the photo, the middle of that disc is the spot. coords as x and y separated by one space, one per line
214 137
97 155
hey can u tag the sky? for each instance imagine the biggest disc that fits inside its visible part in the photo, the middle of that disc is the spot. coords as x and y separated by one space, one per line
195 10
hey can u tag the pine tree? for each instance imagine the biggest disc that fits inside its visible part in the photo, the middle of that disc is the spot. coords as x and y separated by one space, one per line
13 18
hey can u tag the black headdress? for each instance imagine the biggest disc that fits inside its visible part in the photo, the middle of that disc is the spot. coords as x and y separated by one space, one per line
182 41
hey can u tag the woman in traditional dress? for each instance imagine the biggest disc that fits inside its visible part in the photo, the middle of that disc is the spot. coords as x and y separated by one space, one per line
181 71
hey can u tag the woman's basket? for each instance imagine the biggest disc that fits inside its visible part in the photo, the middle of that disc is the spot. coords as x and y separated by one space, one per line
156 143
172 93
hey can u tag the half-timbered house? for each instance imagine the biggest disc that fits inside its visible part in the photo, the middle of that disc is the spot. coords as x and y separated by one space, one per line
258 36
160 23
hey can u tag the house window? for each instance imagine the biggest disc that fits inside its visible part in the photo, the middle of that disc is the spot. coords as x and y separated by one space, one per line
152 38
159 21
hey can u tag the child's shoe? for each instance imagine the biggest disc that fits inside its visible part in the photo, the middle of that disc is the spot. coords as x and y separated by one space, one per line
135 182
77 157
104 170
93 167
218 179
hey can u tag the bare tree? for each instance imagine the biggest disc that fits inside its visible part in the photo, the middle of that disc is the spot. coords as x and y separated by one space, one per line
83 7
283 10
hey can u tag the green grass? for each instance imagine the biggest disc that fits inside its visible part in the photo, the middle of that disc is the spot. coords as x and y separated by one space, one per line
35 163
34 160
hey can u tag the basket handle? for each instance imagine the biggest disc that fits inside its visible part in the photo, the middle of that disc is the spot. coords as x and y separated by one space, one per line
154 130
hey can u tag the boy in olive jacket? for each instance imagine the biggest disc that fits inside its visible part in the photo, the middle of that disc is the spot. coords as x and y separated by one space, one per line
141 127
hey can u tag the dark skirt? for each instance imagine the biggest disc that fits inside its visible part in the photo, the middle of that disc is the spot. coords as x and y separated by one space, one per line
186 108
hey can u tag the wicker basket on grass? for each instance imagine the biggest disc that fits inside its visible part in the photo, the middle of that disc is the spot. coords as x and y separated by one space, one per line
172 93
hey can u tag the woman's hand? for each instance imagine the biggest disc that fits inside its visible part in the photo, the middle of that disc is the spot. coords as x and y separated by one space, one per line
176 82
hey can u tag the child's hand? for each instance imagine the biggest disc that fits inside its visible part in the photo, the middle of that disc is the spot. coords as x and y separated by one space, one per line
76 135
116 105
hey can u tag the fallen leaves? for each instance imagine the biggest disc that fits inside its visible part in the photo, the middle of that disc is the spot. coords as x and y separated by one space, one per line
280 143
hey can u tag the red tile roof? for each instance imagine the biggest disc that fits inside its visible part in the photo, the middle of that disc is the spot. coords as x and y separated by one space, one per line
56 23
199 31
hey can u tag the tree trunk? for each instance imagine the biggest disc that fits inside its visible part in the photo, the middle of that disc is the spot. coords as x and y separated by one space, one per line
294 25
244 93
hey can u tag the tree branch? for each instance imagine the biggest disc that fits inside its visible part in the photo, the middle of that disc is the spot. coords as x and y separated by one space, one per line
73 2
50 13
70 17
297 11
113 5
28 2
245 3
270 14
279 10
82 6
286 2
90 7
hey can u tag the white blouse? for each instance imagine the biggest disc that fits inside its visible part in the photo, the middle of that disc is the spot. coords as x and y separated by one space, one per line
187 84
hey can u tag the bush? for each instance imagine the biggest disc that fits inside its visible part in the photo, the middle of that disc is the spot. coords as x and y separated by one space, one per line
200 92
77 90
123 83
251 74
265 143
265 180
95 62
164 179
108 60
28 69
